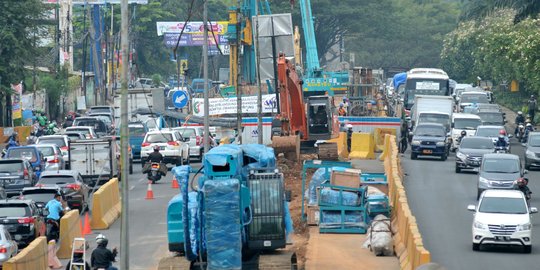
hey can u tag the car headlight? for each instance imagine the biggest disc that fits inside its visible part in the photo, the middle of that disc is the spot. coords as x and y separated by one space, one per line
416 143
524 227
461 155
529 153
479 225
440 144
483 180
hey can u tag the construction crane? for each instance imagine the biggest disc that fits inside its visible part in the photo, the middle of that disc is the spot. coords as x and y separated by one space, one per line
316 80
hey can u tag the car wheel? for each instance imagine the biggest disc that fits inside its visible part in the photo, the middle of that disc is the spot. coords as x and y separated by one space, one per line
527 249
475 247
143 162
201 155
179 161
458 169
444 157
527 167
414 156
130 166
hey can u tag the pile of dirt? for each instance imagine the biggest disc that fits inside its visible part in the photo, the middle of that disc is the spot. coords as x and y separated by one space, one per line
292 172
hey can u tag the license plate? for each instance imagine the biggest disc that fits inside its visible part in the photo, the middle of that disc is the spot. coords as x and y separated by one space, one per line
502 238
427 151
12 229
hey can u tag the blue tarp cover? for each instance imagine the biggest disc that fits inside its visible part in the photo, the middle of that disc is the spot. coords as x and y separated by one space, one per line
399 79
264 155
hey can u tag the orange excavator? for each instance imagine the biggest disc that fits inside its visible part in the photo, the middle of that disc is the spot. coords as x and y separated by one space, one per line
302 123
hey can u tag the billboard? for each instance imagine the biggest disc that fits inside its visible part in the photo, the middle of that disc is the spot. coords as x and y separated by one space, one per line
219 28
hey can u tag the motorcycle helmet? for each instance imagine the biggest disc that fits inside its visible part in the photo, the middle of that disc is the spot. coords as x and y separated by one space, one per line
529 125
101 240
520 113
463 133
341 104
156 148
502 132
522 181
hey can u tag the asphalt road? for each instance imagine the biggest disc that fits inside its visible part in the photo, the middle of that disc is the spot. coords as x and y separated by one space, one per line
439 197
147 221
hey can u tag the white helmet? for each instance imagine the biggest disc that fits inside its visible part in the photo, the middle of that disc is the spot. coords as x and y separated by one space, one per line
101 239
529 124
520 113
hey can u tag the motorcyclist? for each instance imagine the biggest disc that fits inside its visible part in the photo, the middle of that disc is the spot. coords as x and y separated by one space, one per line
55 209
102 257
155 156
501 142
461 136
32 138
520 119
521 185
12 140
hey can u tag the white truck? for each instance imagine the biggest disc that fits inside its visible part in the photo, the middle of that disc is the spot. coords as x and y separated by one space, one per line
95 159
434 109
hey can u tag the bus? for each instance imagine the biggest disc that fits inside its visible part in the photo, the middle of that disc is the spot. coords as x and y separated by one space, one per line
425 81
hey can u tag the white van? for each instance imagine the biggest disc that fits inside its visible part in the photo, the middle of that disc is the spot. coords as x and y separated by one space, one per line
463 122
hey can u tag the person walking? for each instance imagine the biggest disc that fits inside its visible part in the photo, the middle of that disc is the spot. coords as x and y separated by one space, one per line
533 104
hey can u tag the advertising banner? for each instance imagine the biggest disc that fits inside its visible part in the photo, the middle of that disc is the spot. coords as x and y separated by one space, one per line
16 101
220 106
191 28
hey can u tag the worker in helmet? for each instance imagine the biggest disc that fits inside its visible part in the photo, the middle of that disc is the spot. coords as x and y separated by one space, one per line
341 110
102 257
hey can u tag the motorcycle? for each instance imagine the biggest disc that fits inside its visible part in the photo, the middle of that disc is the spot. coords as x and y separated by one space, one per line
502 149
520 132
526 191
53 229
154 174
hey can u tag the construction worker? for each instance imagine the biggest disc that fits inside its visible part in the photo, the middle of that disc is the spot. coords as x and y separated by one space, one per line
341 110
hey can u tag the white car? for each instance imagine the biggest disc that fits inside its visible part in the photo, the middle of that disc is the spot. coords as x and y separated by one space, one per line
463 122
53 157
173 146
62 141
194 136
502 218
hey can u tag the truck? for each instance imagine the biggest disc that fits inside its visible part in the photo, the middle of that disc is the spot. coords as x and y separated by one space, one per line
95 159
434 109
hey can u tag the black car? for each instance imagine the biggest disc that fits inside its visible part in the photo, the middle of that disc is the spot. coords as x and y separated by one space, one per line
99 126
430 139
23 220
15 174
75 189
41 195
470 152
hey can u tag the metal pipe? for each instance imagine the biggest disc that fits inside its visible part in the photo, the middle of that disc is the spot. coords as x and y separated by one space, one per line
205 76
124 137
257 68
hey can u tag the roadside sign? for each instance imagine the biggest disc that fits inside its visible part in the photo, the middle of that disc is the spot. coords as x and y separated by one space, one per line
180 99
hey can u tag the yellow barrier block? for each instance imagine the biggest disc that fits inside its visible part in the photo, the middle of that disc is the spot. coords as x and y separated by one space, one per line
69 229
380 135
106 205
34 256
362 146
224 140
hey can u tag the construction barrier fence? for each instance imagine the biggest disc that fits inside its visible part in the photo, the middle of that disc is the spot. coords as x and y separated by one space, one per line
407 239
106 205
69 229
31 257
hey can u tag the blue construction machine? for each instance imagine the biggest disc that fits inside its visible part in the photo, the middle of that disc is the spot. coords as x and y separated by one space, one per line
233 213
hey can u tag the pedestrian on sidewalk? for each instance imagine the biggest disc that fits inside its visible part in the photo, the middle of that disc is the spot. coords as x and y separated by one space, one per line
533 104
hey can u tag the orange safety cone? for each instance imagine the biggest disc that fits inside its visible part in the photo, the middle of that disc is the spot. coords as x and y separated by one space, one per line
87 230
54 262
175 183
149 192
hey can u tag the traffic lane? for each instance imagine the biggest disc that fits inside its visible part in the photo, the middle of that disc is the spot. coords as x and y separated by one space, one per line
147 220
438 198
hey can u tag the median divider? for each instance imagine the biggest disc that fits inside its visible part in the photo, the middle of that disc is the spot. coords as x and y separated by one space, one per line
34 256
69 229
106 205
408 242
362 146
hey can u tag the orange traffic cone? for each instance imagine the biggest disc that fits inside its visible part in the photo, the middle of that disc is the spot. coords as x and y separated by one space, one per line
175 183
149 192
87 230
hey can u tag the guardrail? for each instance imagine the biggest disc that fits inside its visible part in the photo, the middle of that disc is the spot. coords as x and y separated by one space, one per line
30 257
407 239
106 205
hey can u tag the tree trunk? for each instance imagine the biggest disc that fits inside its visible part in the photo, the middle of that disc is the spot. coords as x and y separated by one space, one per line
8 111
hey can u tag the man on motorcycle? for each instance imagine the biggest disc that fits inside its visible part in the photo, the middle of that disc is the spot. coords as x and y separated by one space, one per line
155 156
102 257
520 119
463 135
501 142
32 138
522 186
55 209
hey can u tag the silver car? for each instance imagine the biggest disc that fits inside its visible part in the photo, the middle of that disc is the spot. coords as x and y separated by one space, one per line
54 160
8 247
194 136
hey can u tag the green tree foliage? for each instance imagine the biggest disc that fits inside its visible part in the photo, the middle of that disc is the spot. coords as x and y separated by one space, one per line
478 9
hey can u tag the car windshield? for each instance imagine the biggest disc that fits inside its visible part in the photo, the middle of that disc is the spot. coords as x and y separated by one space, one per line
187 132
534 141
14 210
23 153
136 130
11 166
433 118
74 136
104 118
488 132
83 131
96 124
56 179
159 138
46 151
462 123
477 143
100 110
501 165
429 131
500 205
491 117
60 142
37 196
474 98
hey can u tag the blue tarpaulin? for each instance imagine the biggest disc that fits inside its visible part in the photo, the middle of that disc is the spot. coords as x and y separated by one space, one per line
263 155
399 79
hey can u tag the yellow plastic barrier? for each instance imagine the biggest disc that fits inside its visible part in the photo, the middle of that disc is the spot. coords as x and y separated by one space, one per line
380 134
106 205
407 239
69 229
362 146
34 256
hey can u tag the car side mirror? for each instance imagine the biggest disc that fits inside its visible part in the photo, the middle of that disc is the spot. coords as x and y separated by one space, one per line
533 210
471 207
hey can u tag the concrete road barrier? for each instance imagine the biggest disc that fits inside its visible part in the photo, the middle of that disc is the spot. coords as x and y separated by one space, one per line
362 146
69 229
408 242
34 256
106 205
379 134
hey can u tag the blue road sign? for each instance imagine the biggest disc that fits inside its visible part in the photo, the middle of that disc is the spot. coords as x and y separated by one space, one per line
180 99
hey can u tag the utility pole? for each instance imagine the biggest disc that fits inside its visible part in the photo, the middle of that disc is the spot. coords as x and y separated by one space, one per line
257 68
124 137
206 140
